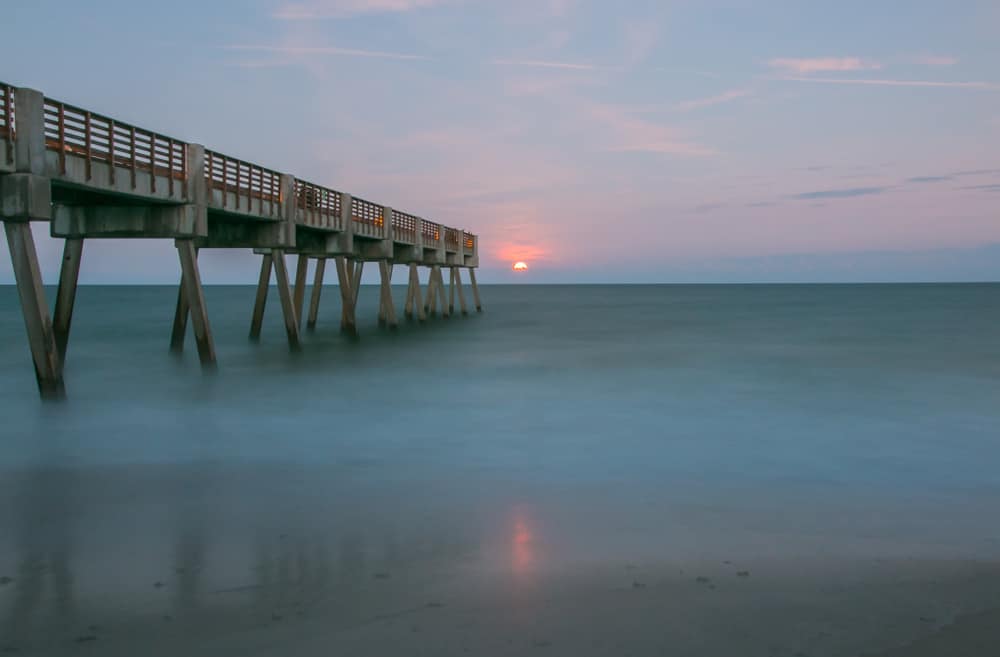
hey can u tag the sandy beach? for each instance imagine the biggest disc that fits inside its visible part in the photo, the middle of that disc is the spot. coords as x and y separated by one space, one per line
199 560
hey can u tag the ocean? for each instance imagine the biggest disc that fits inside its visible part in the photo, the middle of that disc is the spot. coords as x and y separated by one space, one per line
489 462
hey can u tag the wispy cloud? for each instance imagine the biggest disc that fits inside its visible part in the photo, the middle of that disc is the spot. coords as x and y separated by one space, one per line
630 134
325 50
806 66
541 63
935 60
324 9
975 172
720 99
898 83
851 192
983 188
928 179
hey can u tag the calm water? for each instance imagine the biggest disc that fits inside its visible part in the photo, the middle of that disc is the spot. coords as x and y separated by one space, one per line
564 427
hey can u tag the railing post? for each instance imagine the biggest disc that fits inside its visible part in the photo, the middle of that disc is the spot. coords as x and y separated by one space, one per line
29 147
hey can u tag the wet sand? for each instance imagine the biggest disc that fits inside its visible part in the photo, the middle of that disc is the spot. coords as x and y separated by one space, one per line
206 559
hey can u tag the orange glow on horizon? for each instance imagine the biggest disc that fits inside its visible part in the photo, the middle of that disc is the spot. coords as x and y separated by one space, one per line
520 266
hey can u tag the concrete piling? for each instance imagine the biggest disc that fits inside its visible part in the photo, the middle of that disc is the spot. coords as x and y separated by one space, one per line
387 307
195 296
41 339
263 285
301 272
475 290
457 275
285 296
69 275
316 292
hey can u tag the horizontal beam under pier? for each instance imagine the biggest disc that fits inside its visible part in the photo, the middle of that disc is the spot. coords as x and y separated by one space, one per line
138 221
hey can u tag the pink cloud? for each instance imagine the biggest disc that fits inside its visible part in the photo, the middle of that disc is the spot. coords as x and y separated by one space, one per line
320 9
900 83
699 103
324 50
823 64
629 134
539 63
936 60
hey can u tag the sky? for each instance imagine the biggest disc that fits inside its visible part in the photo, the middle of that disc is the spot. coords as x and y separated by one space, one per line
632 141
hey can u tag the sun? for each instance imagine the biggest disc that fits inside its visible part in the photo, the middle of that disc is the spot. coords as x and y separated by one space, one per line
520 266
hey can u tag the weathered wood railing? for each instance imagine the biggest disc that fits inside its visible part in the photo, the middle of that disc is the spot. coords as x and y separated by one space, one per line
431 233
247 182
318 207
70 130
7 119
368 218
404 227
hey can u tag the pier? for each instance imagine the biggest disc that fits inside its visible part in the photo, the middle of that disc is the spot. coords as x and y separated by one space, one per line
91 176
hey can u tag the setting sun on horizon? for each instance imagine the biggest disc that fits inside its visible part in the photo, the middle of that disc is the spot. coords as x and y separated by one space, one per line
520 266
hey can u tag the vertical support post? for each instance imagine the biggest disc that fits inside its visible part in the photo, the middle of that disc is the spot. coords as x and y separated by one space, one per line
301 271
347 322
417 302
195 295
457 275
316 292
69 275
387 308
408 308
287 302
180 320
41 340
430 302
445 311
261 301
451 290
475 290
359 268
381 294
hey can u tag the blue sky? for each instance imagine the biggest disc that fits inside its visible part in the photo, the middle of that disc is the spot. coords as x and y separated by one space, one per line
629 141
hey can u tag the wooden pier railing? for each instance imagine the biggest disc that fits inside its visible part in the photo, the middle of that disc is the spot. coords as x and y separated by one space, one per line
246 182
7 119
70 130
404 227
318 206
